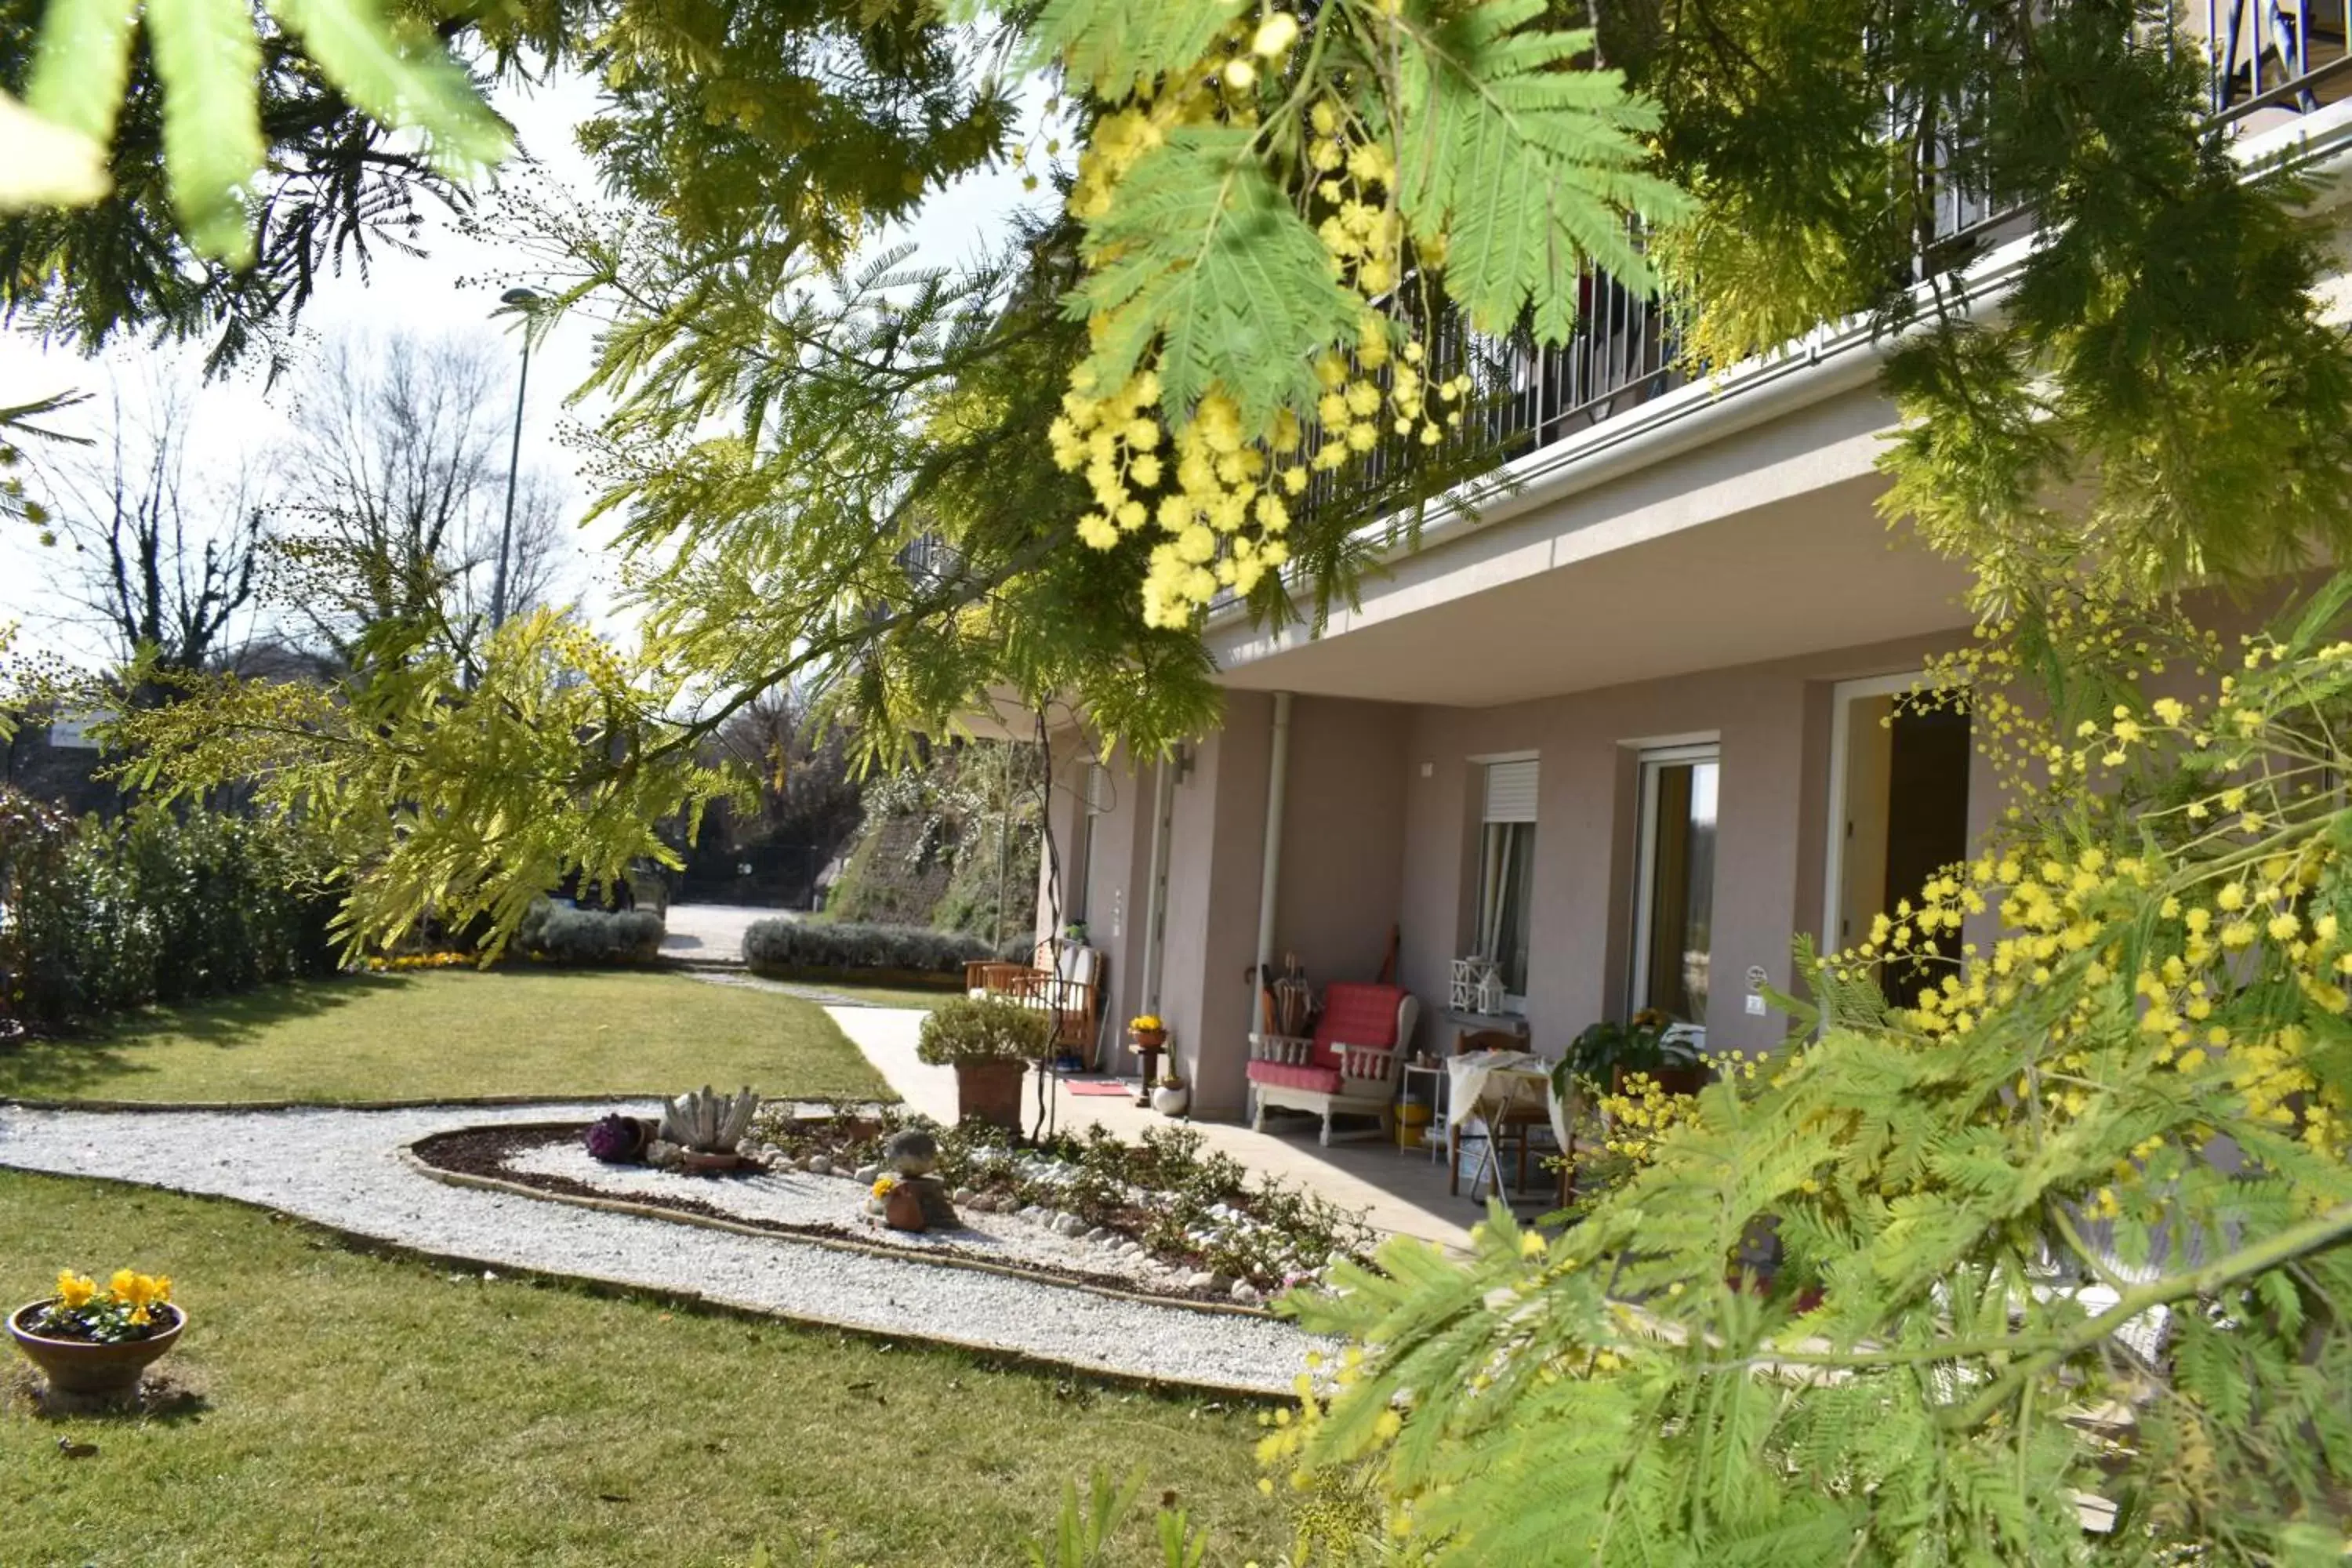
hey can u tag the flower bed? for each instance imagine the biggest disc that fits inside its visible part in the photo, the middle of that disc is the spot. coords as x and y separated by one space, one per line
1190 1208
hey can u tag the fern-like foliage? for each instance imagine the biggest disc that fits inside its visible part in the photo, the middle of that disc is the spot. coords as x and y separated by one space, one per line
1527 164
1204 257
207 57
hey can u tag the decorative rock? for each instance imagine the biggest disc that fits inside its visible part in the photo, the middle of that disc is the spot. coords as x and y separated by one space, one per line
911 1152
1247 1294
1068 1224
869 1174
1223 1284
966 1196
1200 1280
817 1165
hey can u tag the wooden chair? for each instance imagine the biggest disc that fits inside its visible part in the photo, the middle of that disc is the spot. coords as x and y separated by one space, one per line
1066 982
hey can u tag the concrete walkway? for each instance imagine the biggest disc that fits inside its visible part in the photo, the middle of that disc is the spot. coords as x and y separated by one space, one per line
712 931
1400 1192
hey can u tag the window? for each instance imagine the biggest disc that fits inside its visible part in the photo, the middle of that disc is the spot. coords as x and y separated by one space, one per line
1506 858
1673 914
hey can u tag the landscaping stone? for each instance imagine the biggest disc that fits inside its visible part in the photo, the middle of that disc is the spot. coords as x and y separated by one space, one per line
1247 1294
1200 1280
911 1152
869 1174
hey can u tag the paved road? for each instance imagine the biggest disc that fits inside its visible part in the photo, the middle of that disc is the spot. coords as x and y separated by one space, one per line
712 930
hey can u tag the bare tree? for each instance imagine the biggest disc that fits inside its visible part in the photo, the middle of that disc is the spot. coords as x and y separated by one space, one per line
164 552
396 490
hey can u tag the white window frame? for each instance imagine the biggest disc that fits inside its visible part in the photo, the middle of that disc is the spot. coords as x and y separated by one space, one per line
1514 1002
1645 854
1842 700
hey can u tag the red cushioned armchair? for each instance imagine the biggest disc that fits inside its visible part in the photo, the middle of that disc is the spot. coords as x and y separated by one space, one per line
1351 1066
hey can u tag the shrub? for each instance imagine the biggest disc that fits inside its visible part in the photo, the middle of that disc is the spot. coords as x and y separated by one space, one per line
561 935
162 904
787 944
974 1028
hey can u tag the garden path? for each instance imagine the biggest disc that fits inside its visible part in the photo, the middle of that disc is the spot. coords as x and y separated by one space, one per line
1399 1192
344 1169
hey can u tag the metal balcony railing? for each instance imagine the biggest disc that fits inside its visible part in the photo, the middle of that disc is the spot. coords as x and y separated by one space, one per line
2269 60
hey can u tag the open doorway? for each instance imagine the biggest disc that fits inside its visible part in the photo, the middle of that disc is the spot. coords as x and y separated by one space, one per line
1898 810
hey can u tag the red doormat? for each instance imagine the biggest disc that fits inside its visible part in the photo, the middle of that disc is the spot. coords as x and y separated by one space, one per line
1097 1086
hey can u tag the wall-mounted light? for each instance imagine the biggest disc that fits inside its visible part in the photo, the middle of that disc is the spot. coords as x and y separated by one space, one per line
1185 758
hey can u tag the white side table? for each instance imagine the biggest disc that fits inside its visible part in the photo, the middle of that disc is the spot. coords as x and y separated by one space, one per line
1439 1091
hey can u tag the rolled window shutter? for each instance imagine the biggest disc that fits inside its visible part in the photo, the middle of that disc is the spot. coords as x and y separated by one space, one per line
1511 792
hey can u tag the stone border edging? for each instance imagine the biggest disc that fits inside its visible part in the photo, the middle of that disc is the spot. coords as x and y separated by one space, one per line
431 1103
418 1163
612 1287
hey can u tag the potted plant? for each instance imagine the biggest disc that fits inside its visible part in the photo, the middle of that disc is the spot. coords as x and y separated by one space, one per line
95 1343
1606 1052
1172 1096
990 1042
1148 1031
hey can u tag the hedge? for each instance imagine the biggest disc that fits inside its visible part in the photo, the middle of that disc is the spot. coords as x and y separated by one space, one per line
787 946
162 904
561 934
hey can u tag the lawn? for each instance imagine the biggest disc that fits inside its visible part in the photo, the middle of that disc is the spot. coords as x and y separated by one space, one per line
454 1033
345 1409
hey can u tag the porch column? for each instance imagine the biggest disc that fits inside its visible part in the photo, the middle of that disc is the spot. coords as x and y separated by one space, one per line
1278 776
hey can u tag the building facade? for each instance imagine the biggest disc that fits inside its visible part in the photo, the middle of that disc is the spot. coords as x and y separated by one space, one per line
1626 732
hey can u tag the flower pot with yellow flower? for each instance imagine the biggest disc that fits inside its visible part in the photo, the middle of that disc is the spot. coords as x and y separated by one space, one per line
95 1343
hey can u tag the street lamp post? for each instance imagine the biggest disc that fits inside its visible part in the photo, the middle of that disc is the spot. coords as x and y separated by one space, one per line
520 299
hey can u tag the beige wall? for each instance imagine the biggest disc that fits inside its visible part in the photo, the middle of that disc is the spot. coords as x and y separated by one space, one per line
1343 836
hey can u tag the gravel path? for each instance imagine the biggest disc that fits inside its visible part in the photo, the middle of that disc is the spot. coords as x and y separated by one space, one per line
343 1168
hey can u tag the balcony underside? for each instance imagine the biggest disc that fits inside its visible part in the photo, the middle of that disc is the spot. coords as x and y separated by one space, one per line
1796 574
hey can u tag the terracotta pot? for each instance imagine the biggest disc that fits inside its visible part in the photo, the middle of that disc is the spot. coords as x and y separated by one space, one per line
988 1090
1150 1039
76 1366
710 1162
903 1208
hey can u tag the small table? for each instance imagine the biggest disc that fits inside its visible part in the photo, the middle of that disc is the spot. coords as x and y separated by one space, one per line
1439 1083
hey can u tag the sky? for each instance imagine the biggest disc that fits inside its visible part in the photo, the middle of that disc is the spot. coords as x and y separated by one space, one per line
452 290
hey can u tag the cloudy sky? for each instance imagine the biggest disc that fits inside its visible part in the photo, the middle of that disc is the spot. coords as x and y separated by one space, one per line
451 290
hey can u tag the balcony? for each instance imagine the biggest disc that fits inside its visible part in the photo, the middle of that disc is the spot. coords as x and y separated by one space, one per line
2275 60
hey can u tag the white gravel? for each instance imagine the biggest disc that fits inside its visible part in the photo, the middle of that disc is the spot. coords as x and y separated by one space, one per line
343 1168
793 1197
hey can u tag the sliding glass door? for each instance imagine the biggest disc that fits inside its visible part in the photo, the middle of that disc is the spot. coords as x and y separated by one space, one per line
1673 915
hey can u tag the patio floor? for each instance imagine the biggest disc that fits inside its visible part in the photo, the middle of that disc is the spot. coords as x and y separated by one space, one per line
1402 1191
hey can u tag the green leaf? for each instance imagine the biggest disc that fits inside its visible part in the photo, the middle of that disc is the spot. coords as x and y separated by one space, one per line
82 63
47 164
1112 44
207 59
1528 163
398 81
1201 256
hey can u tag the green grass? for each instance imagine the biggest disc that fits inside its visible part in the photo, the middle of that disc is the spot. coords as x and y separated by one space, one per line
454 1033
347 1409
